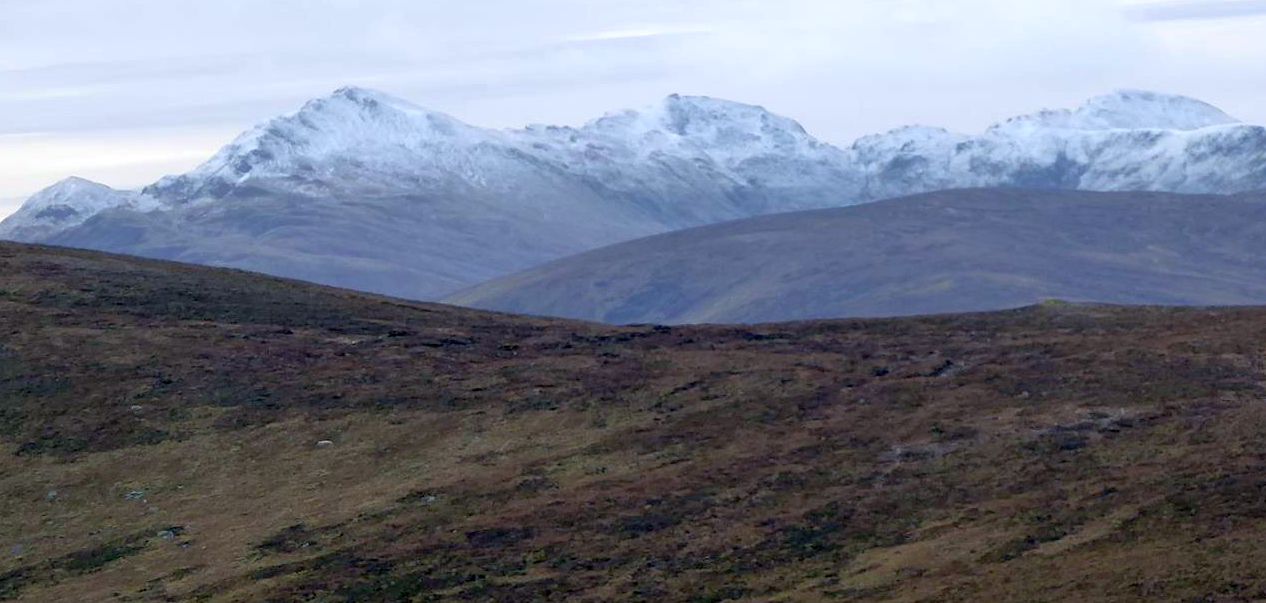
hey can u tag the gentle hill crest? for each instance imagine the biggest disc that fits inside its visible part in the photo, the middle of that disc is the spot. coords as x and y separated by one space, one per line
951 251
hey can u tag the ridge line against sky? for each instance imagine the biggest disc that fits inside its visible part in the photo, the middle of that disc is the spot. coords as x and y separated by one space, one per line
163 84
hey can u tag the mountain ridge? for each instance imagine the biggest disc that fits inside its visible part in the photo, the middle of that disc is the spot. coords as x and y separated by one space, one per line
235 156
455 204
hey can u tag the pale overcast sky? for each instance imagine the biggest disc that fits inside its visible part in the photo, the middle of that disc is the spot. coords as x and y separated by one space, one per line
124 91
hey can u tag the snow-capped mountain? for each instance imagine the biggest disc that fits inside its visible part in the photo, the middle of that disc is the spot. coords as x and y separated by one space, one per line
354 137
1127 141
364 190
1127 110
65 205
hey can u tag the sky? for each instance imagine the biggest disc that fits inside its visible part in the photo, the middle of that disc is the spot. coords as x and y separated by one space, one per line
125 91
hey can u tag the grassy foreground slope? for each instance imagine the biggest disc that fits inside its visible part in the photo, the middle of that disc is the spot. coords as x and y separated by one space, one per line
174 433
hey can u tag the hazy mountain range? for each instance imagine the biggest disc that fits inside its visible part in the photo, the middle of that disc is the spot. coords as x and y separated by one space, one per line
951 251
370 192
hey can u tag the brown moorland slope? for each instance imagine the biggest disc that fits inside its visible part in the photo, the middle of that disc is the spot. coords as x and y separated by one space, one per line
175 433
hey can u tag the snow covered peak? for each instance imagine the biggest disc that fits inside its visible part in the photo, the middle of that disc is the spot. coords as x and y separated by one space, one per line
727 131
706 117
367 97
352 124
698 117
76 195
1126 110
907 139
367 107
73 191
1133 109
67 203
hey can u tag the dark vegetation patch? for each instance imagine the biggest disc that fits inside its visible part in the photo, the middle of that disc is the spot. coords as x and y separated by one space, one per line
72 565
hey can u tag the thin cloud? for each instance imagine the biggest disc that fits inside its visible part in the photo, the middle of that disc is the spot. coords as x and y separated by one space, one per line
1187 11
45 94
638 34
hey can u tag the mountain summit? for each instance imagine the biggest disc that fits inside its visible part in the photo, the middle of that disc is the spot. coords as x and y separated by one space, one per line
65 205
353 127
1129 110
710 125
364 190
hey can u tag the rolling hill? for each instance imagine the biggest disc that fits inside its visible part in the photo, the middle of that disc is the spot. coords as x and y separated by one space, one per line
952 251
180 433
